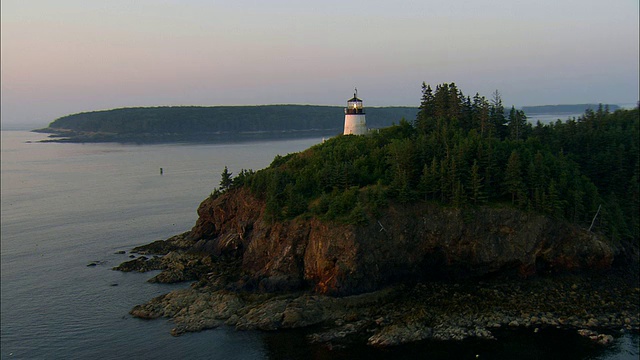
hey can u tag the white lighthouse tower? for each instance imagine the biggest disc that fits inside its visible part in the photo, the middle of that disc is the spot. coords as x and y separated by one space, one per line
354 122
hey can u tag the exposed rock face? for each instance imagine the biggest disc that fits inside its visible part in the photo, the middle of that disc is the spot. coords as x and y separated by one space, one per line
254 274
406 242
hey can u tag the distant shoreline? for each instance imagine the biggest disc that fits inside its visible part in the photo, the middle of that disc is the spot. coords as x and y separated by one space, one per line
69 136
226 124
216 124
565 109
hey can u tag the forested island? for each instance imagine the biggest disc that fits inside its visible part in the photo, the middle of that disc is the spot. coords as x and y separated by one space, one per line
166 124
213 123
567 109
462 222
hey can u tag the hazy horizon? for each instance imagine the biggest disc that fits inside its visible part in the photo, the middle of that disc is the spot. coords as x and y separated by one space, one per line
70 56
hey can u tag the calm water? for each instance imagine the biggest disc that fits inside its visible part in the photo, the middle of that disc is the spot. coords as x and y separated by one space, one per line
67 205
551 118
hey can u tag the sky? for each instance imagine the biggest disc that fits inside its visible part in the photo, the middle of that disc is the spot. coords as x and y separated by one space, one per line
69 56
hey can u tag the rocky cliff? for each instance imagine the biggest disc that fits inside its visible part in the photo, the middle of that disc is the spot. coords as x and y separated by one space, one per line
415 271
410 274
409 242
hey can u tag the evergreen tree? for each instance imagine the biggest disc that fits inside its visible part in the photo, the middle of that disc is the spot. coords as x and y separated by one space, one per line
513 176
453 179
430 180
295 203
454 103
423 184
536 180
226 180
243 177
482 116
445 187
498 119
425 118
517 124
477 185
575 197
441 100
401 158
488 161
459 198
466 114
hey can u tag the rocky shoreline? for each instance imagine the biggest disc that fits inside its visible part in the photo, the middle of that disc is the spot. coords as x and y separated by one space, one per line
596 304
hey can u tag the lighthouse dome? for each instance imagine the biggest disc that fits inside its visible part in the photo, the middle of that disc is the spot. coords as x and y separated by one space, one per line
354 105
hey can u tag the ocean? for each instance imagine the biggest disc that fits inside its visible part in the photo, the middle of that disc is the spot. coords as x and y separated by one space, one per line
68 210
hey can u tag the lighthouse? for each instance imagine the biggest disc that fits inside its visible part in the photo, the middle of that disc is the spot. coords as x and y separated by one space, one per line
354 122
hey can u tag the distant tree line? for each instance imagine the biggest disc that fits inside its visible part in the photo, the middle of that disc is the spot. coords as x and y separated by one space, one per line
222 119
566 109
463 152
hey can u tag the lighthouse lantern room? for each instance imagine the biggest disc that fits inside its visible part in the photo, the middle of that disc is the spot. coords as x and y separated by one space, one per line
354 120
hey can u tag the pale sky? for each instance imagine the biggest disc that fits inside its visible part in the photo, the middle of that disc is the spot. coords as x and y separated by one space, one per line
68 56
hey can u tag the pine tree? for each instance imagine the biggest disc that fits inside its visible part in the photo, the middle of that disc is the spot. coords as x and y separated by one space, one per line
401 158
466 114
498 119
423 184
444 182
477 185
441 101
226 180
340 176
482 116
518 126
274 195
552 203
425 118
513 176
455 102
459 197
430 179
453 178
536 180
489 163
576 195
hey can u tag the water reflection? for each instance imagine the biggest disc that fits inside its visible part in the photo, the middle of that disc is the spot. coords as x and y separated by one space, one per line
511 344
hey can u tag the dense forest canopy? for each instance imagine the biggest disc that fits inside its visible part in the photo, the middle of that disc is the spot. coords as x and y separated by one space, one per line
463 152
216 119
